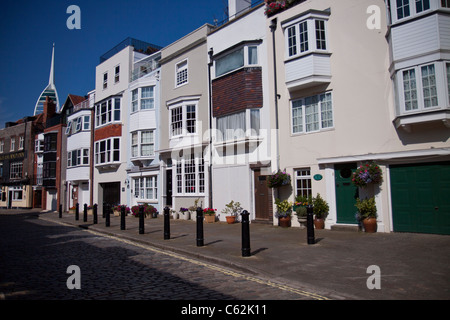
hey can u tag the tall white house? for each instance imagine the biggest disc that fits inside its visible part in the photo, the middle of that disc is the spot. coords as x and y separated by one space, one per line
143 181
346 93
111 115
240 107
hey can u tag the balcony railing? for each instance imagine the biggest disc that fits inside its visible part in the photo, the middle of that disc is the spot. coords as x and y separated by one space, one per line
144 67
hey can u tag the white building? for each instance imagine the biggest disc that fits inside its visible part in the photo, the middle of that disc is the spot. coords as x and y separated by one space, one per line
241 112
350 93
143 182
111 133
78 111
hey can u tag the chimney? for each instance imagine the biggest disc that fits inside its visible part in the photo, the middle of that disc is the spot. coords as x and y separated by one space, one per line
49 109
237 7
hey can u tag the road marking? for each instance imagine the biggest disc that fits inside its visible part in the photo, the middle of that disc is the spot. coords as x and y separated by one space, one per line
203 264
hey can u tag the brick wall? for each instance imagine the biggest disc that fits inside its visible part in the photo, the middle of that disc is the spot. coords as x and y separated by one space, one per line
237 91
112 130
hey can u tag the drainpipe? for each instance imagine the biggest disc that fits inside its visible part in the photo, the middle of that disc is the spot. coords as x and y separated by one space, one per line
273 28
210 64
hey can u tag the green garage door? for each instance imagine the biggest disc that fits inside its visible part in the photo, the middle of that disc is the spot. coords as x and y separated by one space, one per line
421 197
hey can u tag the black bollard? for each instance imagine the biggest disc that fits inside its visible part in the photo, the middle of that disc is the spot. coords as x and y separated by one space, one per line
122 217
310 224
85 213
60 211
141 220
200 239
107 216
95 214
245 234
77 212
104 210
166 223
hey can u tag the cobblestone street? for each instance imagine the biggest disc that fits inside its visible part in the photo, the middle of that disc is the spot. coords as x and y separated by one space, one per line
35 255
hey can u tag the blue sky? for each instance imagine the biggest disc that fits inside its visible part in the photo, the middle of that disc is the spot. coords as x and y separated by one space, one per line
29 28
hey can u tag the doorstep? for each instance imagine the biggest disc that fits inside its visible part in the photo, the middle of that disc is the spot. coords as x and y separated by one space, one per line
345 227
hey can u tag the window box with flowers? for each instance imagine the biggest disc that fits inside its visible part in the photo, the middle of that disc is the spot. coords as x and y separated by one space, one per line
275 6
278 179
369 173
210 215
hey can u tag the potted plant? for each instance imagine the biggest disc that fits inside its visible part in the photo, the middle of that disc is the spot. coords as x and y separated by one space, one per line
321 209
284 211
174 214
367 213
366 174
72 209
149 211
231 210
184 212
210 215
300 204
90 210
278 179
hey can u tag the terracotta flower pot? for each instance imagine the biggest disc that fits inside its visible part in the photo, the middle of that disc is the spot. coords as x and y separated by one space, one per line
285 222
210 218
370 225
319 223
231 219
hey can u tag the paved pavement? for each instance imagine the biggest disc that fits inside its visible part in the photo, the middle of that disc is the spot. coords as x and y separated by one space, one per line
411 266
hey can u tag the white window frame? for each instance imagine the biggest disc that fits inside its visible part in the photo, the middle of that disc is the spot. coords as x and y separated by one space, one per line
16 170
109 151
105 80
301 175
17 193
195 177
183 129
245 58
21 142
137 143
13 144
230 134
181 73
81 155
2 145
300 106
441 83
117 74
137 99
294 46
144 184
110 112
412 9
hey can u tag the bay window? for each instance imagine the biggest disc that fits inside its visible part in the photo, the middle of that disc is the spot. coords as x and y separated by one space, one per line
143 98
143 143
238 125
107 151
107 111
307 34
312 114
183 118
245 55
423 87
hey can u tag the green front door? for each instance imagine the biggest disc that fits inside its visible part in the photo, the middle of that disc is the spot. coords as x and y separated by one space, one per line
346 193
421 197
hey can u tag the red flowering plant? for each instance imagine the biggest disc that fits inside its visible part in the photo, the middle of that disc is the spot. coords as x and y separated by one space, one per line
209 211
366 174
149 210
273 6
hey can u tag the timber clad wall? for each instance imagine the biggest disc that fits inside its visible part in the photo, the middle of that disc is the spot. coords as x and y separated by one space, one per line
237 91
112 130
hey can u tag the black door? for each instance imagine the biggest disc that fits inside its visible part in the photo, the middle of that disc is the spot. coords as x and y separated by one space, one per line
169 187
111 193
